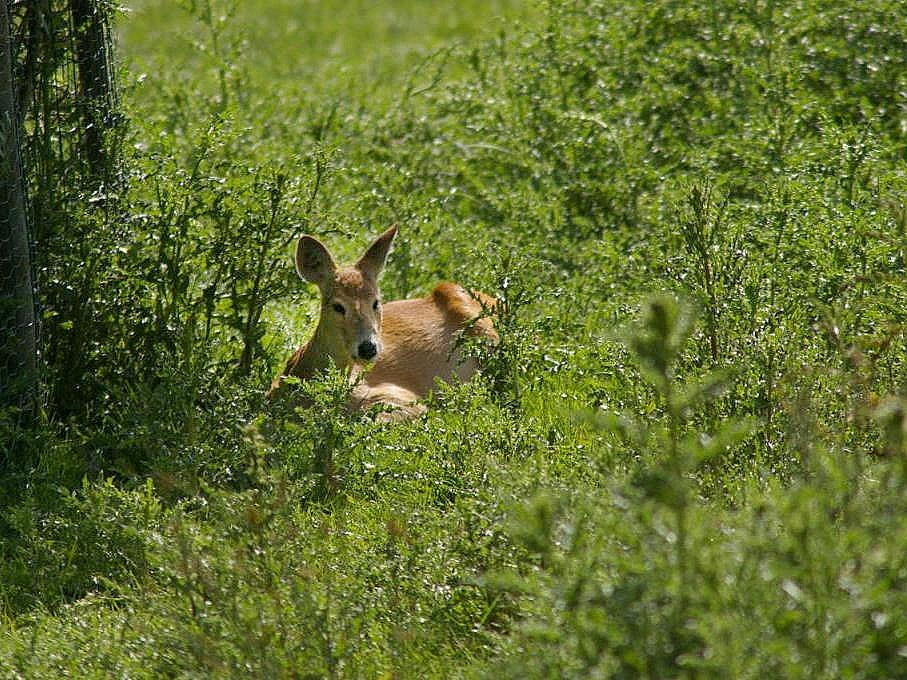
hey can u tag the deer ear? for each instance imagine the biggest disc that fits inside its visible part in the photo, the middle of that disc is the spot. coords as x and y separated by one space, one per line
372 262
313 261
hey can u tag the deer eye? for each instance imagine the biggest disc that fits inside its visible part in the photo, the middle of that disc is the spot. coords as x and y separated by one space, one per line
375 305
340 309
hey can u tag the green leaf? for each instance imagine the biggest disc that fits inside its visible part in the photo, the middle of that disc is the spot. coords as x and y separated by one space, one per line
708 447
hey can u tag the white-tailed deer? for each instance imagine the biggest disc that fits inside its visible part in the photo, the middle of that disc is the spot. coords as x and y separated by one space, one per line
408 343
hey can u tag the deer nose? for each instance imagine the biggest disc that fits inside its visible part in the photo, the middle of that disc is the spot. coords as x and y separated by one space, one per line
367 349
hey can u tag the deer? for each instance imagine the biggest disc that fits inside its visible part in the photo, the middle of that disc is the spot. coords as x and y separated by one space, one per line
394 352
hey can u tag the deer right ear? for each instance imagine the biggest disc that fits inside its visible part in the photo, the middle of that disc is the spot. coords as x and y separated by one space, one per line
372 262
313 261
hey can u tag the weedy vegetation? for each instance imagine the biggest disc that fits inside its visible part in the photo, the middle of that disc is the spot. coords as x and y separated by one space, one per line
685 458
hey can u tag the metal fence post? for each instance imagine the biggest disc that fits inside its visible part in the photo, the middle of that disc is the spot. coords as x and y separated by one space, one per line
18 330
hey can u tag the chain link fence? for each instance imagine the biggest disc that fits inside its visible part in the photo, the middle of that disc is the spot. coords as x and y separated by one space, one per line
57 102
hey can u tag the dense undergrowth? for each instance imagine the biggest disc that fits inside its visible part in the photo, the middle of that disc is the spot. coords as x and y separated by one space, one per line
687 457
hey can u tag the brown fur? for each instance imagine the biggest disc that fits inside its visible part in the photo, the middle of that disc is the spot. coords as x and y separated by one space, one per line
418 337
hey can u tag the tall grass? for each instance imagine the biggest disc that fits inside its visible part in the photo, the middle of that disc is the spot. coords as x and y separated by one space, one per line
686 459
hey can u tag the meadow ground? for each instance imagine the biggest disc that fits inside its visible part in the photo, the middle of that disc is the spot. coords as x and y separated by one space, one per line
685 459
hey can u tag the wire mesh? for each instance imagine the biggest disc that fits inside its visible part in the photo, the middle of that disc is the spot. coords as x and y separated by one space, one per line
57 100
18 330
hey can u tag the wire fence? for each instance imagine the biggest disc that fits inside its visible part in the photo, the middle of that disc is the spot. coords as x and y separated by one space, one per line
18 327
57 102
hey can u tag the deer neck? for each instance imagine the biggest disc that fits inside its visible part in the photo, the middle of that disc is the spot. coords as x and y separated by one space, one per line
324 349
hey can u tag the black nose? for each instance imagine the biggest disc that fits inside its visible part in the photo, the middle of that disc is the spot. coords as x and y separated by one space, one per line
367 349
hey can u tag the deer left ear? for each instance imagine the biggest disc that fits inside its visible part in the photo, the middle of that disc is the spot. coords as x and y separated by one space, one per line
313 261
372 262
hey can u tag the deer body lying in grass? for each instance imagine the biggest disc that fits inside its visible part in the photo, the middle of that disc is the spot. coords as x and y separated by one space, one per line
394 351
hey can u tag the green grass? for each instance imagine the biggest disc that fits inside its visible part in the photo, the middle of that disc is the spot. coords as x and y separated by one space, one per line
358 53
685 459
